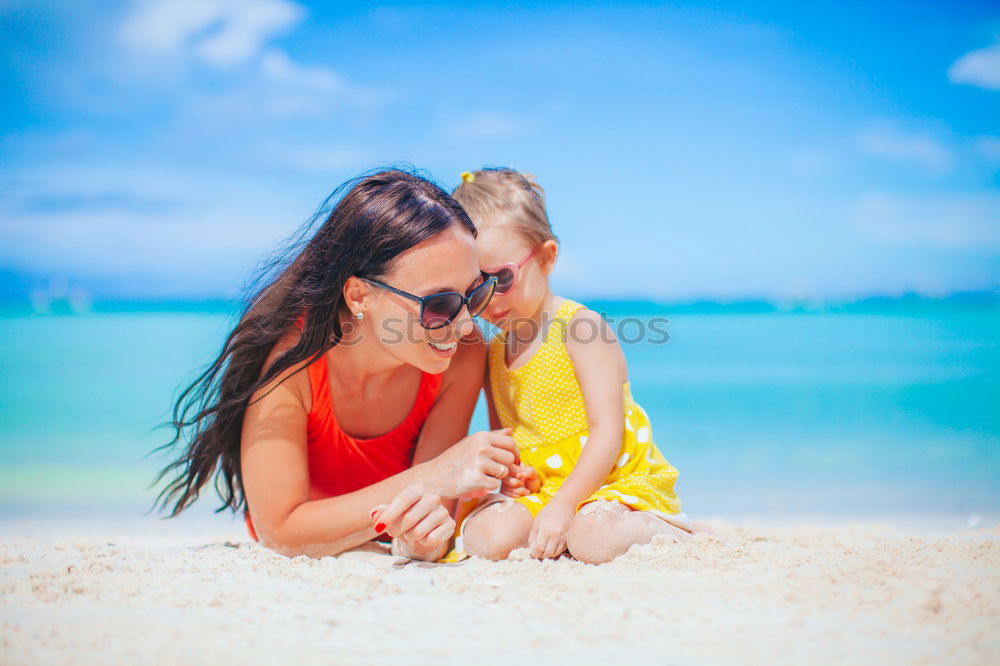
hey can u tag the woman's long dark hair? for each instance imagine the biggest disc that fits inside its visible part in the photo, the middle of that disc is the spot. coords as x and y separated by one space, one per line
374 218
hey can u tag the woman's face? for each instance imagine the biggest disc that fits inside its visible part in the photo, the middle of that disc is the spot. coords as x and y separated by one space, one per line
446 262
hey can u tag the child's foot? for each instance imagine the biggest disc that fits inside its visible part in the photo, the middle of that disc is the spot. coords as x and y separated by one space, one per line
703 528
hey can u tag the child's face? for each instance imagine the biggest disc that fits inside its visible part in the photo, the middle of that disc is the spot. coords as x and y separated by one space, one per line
497 245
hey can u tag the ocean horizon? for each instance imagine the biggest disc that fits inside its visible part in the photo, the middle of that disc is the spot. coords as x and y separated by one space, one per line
62 299
877 406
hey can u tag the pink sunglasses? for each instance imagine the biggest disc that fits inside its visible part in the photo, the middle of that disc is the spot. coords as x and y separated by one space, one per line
507 274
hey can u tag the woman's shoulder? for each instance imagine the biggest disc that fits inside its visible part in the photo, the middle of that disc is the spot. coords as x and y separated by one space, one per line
293 379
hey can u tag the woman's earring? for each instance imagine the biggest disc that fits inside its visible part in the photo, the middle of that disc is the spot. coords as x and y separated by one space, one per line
359 315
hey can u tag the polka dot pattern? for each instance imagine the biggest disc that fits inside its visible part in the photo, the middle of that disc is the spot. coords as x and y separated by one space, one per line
541 400
543 404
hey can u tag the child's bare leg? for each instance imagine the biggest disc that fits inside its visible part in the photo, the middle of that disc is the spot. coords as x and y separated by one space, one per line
496 530
601 531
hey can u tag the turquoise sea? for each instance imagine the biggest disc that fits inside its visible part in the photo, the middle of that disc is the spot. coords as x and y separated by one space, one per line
887 409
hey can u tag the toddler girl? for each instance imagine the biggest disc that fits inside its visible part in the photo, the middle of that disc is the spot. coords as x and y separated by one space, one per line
590 481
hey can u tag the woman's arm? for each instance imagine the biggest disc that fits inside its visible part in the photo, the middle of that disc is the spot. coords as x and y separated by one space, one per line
276 481
275 471
449 418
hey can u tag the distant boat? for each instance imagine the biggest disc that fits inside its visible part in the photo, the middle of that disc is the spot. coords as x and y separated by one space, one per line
60 298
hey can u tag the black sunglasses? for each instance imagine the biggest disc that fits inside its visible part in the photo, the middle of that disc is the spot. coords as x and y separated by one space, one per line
438 310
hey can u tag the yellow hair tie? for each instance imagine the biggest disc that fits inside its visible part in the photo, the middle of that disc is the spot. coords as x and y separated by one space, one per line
468 177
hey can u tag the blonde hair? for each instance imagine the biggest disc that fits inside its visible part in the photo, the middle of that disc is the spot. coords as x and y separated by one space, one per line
499 195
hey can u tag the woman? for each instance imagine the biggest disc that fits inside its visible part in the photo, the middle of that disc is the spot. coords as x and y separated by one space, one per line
339 404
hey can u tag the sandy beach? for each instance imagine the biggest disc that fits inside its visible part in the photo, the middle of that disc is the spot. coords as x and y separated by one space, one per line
858 594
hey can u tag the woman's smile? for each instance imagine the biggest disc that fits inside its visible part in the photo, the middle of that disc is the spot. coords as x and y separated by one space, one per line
445 349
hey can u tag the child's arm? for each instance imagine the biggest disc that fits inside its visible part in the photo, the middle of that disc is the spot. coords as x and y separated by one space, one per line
600 369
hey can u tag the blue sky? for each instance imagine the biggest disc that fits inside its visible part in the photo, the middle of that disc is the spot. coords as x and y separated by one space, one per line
690 150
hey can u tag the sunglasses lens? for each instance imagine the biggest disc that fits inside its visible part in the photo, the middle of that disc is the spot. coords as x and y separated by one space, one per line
440 309
480 297
505 280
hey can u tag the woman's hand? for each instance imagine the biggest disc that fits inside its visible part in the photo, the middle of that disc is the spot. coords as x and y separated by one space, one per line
474 466
418 522
523 480
547 538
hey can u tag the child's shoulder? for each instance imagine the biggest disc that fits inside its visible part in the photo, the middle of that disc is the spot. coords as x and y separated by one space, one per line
586 327
593 346
578 312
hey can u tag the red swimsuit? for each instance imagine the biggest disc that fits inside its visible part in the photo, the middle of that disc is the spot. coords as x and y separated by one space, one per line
339 463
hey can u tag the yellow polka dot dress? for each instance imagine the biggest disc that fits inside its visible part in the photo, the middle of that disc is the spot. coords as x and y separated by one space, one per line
543 403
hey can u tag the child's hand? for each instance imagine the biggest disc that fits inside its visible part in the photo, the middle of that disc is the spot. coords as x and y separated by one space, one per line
548 531
523 480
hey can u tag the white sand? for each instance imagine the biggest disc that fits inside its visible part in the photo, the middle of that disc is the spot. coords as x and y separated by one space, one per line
798 595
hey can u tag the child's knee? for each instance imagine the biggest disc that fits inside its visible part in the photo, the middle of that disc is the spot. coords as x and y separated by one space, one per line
599 533
588 537
588 546
497 530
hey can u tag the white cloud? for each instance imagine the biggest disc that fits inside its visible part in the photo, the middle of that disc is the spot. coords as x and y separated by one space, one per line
966 222
279 68
226 33
293 89
979 68
208 241
163 27
247 29
217 32
921 149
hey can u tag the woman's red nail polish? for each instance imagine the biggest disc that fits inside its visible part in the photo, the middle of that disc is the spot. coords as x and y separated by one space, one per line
380 527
